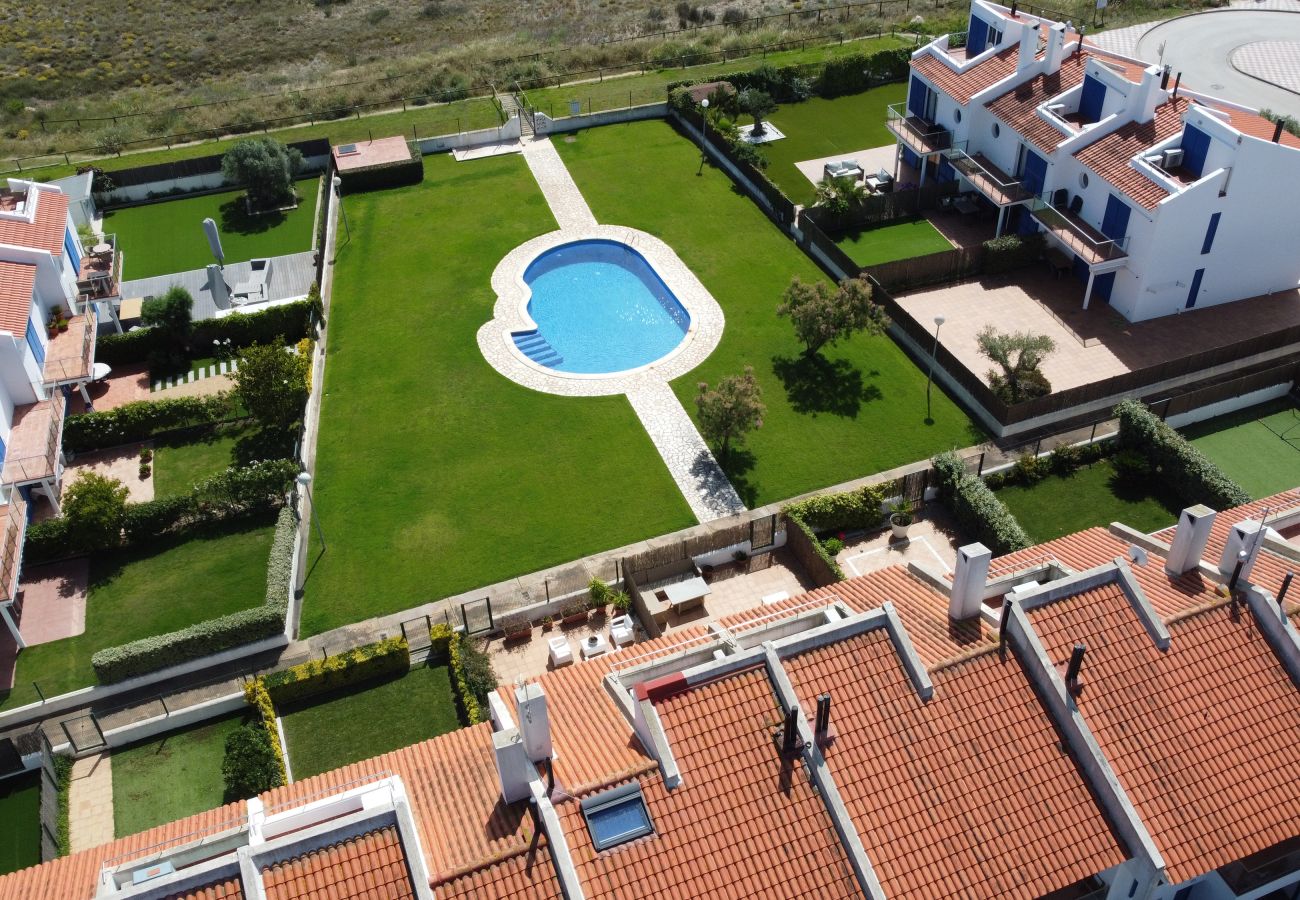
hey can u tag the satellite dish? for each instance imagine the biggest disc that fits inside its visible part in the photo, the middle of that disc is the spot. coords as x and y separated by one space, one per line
214 240
1137 554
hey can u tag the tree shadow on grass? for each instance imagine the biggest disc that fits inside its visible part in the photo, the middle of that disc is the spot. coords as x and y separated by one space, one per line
235 219
736 464
260 444
815 384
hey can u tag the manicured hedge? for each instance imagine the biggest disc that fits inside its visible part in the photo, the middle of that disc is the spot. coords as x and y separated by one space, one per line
290 321
1187 471
114 664
472 677
440 651
317 676
977 509
143 419
818 548
1011 251
233 492
851 74
406 171
256 696
859 508
63 768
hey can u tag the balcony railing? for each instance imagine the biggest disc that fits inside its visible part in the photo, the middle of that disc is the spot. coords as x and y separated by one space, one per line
1078 236
12 528
101 273
43 462
917 134
70 355
1000 188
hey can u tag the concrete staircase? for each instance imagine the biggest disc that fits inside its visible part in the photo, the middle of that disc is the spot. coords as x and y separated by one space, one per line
510 106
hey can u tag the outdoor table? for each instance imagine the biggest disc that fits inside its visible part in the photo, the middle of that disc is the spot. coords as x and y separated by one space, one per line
594 646
101 249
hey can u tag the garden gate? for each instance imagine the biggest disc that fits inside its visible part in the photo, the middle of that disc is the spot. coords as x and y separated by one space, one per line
476 616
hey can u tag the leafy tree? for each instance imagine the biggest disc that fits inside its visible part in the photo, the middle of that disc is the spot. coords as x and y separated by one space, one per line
249 766
758 104
272 383
1019 356
172 312
823 314
731 410
95 508
266 168
839 196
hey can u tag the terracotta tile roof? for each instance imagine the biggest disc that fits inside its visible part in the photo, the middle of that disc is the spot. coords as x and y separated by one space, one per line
370 866
524 876
1017 107
737 825
961 86
46 232
17 284
226 889
1109 156
1194 733
970 793
1257 126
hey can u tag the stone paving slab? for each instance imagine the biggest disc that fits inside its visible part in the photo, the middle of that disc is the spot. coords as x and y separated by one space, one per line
1277 62
90 802
54 601
562 194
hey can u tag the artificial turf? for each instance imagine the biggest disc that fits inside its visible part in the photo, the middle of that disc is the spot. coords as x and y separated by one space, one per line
170 777
180 462
1258 447
139 593
165 237
857 408
435 473
20 821
339 729
1090 496
897 240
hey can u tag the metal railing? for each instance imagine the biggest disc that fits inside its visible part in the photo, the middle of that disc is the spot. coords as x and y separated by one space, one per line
39 466
986 178
73 367
104 288
1093 247
919 135
14 525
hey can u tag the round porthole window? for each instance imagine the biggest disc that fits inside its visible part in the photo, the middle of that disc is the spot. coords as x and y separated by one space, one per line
956 115
1083 180
997 130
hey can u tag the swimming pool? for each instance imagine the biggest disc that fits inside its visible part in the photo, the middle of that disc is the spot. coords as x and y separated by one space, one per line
599 308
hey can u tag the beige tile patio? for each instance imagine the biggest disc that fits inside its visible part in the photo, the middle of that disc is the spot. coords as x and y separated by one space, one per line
122 463
90 803
744 592
512 660
932 541
53 601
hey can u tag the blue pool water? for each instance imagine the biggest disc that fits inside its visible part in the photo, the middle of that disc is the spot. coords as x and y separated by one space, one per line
599 308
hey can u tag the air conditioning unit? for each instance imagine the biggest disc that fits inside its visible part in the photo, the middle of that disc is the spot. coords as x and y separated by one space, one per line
1173 158
1157 160
1058 108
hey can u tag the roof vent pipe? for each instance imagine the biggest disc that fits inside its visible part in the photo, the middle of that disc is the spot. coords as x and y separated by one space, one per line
1177 80
1277 131
787 738
1164 79
824 735
1072 673
1281 595
1014 5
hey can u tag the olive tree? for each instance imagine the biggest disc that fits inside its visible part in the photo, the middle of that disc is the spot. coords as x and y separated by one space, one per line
1018 355
731 410
265 167
823 314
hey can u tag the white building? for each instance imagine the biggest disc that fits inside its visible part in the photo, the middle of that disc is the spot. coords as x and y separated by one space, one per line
1163 199
50 289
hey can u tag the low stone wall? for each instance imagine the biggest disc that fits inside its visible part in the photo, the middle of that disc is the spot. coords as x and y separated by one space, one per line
441 143
171 188
544 124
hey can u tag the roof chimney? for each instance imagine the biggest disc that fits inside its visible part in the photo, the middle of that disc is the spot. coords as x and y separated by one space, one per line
1164 79
1277 131
1148 95
968 581
1177 81
1072 683
1242 538
787 736
534 721
514 771
1194 526
1054 52
1028 46
823 734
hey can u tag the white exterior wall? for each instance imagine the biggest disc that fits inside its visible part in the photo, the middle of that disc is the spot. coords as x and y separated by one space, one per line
15 378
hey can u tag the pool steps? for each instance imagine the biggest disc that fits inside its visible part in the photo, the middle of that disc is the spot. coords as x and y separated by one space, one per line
536 348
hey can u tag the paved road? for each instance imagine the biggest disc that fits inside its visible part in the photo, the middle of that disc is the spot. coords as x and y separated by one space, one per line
1201 46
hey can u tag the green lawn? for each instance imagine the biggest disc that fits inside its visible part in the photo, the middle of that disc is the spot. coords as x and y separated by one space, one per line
168 778
135 594
166 237
1259 447
182 461
856 409
342 728
898 240
817 128
1057 506
20 813
434 473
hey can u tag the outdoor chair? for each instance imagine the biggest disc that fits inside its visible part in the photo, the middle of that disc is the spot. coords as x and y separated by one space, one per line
621 630
845 168
882 182
1060 198
1076 205
561 654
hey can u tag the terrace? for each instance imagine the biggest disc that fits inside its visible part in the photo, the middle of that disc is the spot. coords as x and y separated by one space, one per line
34 441
997 186
70 356
13 524
101 271
915 133
1076 235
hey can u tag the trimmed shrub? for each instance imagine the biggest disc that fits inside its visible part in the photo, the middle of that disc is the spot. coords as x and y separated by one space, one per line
440 650
63 768
977 510
818 547
143 419
1187 471
473 678
153 518
1011 251
279 565
255 695
859 508
1030 468
394 174
235 491
130 346
391 656
1065 459
292 321
249 766
46 541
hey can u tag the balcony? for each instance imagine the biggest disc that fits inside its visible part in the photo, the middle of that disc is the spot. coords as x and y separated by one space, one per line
71 354
13 526
916 134
1000 188
34 442
1078 236
101 272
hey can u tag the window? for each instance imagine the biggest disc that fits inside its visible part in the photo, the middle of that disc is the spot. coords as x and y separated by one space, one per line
997 130
1210 233
995 36
616 817
956 116
1083 180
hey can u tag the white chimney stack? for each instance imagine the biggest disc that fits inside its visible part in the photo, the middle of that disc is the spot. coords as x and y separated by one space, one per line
1028 46
514 771
1148 95
1242 537
534 721
968 581
1190 538
1054 52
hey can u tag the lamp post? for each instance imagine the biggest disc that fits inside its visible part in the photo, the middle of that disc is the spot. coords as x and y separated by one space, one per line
704 135
304 481
929 376
338 192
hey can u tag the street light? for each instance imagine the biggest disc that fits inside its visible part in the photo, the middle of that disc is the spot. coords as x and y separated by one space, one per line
704 135
304 481
338 192
929 377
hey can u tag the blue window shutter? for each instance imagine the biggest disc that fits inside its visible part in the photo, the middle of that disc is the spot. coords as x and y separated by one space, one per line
1195 144
946 171
1210 232
1092 99
3 450
977 36
34 342
1115 223
916 97
70 247
1102 286
1035 172
1195 288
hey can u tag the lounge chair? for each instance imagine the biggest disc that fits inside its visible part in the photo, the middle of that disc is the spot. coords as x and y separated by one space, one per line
882 182
621 630
844 168
561 653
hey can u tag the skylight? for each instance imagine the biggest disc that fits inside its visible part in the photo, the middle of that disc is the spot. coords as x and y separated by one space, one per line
348 150
617 816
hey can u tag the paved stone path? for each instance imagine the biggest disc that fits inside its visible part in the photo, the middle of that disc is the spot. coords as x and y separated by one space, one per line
562 195
221 368
1277 62
90 802
688 458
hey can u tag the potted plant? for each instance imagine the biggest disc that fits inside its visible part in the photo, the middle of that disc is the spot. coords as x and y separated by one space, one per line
900 519
52 327
517 628
548 622
600 595
62 323
575 613
622 602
